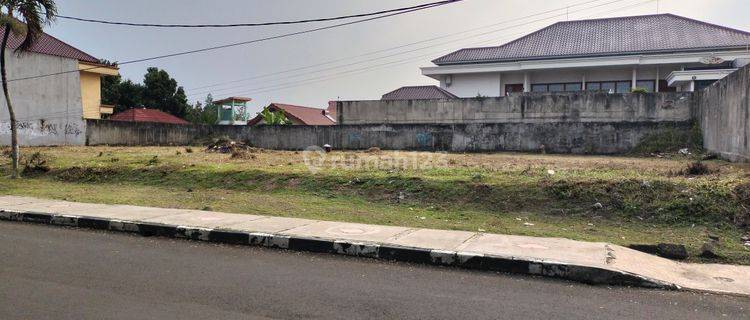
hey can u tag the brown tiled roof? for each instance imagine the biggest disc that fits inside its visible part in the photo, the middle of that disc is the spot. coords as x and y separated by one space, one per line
418 93
147 115
305 115
47 44
230 99
611 36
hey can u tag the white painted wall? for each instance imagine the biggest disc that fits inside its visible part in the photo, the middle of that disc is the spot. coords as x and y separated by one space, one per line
48 110
472 85
493 84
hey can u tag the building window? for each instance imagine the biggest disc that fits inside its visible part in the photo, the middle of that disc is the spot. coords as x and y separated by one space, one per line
609 86
556 87
645 84
623 87
539 88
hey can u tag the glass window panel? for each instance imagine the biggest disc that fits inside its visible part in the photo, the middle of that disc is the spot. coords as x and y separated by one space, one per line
556 87
646 84
607 86
623 87
539 88
593 86
572 87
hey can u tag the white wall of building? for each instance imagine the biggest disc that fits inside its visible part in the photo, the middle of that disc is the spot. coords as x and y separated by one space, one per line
493 84
473 85
48 110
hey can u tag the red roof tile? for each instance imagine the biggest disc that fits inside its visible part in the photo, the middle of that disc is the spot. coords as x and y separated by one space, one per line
47 44
305 115
147 115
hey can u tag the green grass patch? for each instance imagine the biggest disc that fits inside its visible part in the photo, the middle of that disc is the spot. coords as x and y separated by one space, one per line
642 200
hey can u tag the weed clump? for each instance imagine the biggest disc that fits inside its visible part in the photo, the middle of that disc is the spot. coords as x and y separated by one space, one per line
242 154
670 139
696 168
37 163
374 150
153 161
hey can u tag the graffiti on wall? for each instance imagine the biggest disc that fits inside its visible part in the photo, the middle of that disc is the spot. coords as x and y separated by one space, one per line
44 132
424 139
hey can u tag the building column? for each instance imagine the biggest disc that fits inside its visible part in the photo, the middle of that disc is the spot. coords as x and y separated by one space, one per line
502 87
583 82
656 82
526 82
635 78
692 86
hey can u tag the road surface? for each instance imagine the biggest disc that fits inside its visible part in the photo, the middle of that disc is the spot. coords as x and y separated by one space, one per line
57 273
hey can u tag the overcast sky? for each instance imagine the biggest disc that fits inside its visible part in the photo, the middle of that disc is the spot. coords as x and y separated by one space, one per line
367 62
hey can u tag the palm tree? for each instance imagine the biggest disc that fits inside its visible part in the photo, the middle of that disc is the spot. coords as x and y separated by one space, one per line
33 15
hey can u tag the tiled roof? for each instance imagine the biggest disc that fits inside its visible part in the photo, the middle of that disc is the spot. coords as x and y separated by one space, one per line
611 36
418 93
305 115
235 99
47 44
147 115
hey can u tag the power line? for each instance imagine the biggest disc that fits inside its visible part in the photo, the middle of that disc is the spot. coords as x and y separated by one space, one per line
285 35
281 86
427 47
401 46
257 24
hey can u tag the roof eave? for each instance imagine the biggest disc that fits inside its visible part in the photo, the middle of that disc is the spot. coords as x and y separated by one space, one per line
463 62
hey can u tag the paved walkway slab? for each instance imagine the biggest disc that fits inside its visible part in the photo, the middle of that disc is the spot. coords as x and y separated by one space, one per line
433 239
544 249
270 224
576 260
204 219
349 231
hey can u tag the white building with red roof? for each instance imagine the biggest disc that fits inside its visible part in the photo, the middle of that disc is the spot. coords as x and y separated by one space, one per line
661 52
54 87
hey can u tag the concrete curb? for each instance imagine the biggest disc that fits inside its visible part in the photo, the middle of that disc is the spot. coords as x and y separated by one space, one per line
467 260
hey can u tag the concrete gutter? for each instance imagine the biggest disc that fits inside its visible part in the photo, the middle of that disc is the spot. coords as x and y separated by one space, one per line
593 263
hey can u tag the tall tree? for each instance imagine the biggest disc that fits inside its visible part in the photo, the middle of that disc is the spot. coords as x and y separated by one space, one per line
204 113
122 94
33 15
162 92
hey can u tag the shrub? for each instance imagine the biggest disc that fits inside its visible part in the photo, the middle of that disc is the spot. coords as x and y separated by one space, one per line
696 168
671 139
35 164
639 90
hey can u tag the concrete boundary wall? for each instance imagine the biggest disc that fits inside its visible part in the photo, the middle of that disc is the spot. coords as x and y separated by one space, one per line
524 108
564 137
724 115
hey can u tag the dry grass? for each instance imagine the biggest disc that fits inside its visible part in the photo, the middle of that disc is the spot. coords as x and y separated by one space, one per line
644 200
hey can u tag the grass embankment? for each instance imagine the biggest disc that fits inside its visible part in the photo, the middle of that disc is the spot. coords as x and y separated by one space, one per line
643 200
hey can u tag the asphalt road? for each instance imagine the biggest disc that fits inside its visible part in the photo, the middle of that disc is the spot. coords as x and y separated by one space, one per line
56 273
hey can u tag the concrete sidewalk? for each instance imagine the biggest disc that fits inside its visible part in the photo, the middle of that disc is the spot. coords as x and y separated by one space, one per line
596 263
